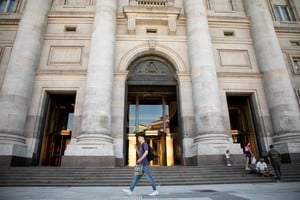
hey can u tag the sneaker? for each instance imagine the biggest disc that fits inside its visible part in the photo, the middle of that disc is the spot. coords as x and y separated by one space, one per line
128 192
228 165
247 168
154 193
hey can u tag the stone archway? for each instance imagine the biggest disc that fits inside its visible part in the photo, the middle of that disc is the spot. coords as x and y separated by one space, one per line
152 107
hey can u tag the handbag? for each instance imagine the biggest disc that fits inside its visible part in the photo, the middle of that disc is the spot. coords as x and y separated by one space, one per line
253 160
138 170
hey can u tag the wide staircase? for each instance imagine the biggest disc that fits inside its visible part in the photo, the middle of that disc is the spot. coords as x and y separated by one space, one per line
178 175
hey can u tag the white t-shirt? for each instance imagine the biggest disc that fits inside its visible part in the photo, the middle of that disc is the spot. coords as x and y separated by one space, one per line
261 165
227 155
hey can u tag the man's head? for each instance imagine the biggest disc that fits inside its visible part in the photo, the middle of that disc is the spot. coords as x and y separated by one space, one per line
271 146
261 159
141 137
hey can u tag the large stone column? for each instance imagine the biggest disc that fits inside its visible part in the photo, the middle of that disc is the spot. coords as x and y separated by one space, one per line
17 86
280 96
210 133
94 145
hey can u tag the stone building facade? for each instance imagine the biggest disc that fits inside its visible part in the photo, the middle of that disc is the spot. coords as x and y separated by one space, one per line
79 78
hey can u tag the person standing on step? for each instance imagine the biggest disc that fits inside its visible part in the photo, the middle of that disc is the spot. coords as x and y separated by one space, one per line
248 154
142 153
275 159
227 156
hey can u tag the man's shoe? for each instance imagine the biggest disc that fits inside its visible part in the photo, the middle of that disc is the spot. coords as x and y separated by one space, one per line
128 192
154 193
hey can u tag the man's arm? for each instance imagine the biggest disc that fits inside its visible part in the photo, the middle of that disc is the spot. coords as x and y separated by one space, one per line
136 149
265 166
143 156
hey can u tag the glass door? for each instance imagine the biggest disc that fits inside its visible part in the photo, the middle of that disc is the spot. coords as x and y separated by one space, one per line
153 110
152 119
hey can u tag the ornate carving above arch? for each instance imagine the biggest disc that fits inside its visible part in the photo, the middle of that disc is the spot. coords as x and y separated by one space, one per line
151 70
160 51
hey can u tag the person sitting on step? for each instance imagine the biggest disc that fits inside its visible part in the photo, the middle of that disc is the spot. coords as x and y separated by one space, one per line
262 168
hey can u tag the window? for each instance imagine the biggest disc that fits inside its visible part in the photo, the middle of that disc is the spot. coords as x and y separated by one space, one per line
296 65
151 30
7 6
70 28
295 43
228 33
75 2
282 13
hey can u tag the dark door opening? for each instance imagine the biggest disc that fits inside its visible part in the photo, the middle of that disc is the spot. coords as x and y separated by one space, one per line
242 121
58 128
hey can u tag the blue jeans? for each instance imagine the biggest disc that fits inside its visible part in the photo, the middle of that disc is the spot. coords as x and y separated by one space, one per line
136 178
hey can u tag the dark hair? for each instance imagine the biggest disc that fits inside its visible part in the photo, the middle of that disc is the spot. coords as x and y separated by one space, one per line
271 146
140 134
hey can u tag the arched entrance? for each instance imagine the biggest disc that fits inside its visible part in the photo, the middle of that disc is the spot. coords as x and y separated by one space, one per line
152 107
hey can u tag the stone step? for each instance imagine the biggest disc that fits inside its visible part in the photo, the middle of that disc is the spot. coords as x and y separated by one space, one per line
178 175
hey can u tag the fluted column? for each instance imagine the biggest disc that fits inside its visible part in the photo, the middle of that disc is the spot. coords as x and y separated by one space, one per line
207 105
281 98
96 118
17 85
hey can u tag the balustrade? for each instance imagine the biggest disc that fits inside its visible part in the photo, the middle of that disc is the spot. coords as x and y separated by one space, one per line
152 3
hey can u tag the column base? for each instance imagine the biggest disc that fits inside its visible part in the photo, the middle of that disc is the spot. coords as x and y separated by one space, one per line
289 147
13 150
92 150
211 149
189 152
235 159
88 161
14 161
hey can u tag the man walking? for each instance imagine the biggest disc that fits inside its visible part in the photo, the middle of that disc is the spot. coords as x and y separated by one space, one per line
143 152
275 159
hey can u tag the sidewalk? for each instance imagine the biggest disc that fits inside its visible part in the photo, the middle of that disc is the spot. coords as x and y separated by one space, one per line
259 191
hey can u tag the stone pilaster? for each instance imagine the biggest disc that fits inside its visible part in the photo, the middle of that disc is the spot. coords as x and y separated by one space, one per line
210 138
280 96
94 146
17 86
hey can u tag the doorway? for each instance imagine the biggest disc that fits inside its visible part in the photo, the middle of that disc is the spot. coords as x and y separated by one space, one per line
58 128
243 126
153 110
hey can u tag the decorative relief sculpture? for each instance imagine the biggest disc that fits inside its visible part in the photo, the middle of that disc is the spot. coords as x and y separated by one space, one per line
151 70
152 67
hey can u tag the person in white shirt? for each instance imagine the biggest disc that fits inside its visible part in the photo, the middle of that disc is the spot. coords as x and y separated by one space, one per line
227 156
262 168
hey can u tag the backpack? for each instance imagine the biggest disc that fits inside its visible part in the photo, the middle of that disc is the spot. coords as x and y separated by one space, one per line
150 155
